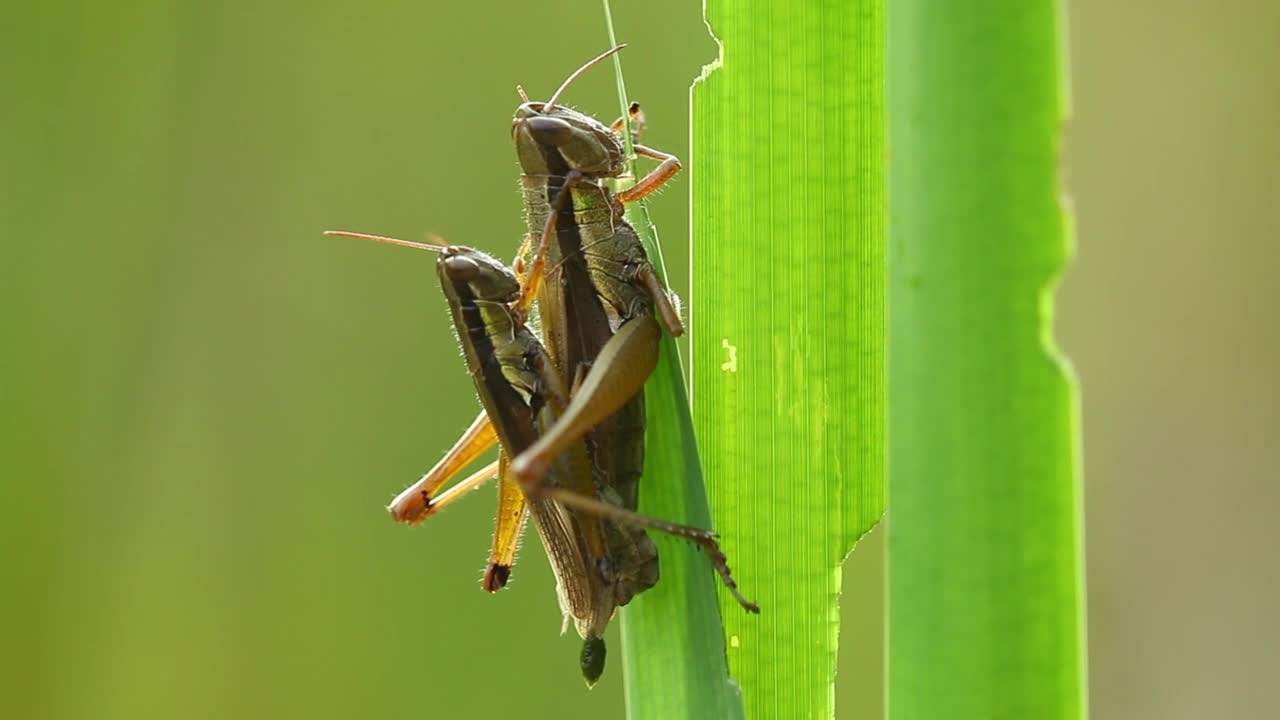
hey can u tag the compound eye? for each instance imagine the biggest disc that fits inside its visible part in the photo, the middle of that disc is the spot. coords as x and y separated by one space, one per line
462 268
550 131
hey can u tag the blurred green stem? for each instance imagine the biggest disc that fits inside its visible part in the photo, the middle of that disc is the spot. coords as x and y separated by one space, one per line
986 581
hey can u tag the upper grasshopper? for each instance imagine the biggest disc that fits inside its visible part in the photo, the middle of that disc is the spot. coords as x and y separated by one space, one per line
601 292
597 306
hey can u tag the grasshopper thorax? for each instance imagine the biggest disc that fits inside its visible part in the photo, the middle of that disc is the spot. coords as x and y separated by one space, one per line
555 141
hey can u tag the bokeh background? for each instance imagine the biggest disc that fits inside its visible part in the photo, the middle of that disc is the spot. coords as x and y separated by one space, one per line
206 403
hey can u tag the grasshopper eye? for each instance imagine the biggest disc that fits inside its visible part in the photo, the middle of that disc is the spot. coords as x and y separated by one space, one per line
462 268
550 131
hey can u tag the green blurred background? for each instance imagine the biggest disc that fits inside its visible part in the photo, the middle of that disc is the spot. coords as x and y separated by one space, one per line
207 403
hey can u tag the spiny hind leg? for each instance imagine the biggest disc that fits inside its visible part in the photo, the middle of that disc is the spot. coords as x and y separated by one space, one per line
619 372
704 538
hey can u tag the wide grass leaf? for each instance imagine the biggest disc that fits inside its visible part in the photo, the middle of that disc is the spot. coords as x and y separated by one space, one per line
787 316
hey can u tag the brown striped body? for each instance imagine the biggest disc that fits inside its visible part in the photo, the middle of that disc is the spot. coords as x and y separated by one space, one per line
504 359
588 293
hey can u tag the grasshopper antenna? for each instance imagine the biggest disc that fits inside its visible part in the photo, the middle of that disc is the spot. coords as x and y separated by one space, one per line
523 96
388 240
569 80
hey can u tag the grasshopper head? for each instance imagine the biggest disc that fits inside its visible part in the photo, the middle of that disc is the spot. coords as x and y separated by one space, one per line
465 271
555 141
552 140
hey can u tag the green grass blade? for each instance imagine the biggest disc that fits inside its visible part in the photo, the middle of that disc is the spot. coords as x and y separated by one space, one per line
788 325
672 639
986 593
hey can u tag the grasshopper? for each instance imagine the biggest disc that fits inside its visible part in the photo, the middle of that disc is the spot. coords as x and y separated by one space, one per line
597 312
600 555
577 456
599 301
598 304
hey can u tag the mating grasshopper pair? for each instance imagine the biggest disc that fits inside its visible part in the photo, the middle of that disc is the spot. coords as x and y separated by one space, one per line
569 415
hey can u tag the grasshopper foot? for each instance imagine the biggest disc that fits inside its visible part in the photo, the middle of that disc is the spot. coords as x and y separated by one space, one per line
496 577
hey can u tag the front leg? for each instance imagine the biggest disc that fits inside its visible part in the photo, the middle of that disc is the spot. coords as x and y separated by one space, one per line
669 166
637 122
531 282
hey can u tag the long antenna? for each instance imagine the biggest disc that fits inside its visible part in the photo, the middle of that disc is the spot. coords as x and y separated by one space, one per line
552 102
384 239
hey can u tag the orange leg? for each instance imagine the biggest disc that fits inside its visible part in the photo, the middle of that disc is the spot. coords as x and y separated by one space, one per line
537 268
512 513
669 166
637 122
450 496
415 503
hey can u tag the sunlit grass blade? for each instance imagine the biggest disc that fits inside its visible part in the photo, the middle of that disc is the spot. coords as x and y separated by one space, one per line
787 319
985 606
672 638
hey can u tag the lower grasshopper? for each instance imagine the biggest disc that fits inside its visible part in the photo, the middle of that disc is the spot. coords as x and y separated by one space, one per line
599 553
